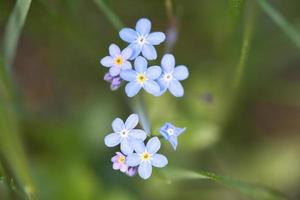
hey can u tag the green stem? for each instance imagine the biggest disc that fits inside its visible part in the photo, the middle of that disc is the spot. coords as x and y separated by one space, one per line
137 105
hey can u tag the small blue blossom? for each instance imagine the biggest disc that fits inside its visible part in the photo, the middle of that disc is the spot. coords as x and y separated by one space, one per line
124 134
146 157
141 40
172 75
141 77
170 133
117 60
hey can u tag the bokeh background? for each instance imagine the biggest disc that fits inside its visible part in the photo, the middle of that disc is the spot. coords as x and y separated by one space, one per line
241 105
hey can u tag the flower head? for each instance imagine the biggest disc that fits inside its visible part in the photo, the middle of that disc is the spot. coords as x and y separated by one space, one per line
170 133
172 75
117 60
146 157
124 134
119 162
141 40
141 77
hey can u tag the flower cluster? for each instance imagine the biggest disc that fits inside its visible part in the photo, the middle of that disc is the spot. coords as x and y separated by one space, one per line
138 154
135 156
155 80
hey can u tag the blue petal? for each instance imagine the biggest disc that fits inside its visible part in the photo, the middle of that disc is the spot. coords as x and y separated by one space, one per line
153 72
133 160
138 134
149 52
176 88
128 35
143 26
132 88
156 38
152 87
158 160
138 146
179 131
140 64
131 121
181 72
173 141
126 147
163 131
145 170
153 145
126 65
114 71
127 53
107 61
163 86
118 125
168 63
112 139
128 75
114 50
136 50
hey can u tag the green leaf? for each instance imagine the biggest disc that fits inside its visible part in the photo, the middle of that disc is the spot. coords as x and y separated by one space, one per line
287 28
110 14
13 31
254 191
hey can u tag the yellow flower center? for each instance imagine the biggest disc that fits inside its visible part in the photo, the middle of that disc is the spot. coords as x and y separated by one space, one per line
121 159
141 78
119 60
145 156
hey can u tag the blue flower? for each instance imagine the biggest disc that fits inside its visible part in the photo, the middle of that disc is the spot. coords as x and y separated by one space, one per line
141 77
170 133
172 75
141 40
146 157
124 134
117 61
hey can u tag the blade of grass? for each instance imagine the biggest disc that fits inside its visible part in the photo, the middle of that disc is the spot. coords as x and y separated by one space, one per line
111 16
254 191
12 156
286 27
13 30
248 32
236 8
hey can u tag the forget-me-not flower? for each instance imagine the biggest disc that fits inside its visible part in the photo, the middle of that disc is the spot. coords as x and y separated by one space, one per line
172 75
119 162
141 40
117 60
146 157
170 133
141 77
124 134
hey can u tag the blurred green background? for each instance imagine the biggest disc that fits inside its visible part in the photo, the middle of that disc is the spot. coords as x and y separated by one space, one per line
241 105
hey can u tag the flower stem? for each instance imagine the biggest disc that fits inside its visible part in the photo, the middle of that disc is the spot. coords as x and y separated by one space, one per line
138 106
